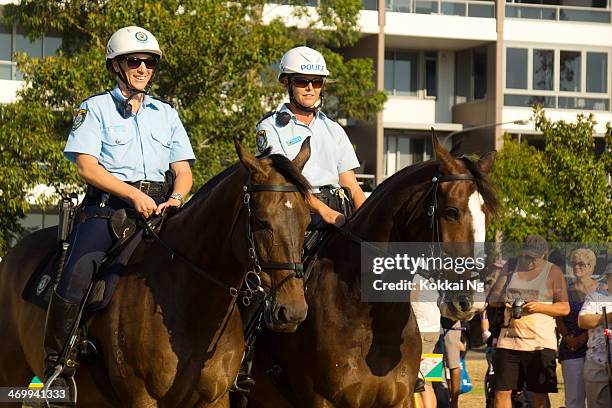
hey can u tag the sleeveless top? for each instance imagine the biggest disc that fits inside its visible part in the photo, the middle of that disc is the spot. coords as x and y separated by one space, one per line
534 331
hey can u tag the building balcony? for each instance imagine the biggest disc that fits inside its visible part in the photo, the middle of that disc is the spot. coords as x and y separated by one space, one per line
484 9
559 13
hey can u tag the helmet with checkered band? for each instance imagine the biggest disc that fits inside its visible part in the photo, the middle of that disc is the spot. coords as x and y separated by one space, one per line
303 60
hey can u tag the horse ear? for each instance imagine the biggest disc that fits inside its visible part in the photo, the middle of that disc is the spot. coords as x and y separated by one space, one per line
303 155
447 163
247 159
486 162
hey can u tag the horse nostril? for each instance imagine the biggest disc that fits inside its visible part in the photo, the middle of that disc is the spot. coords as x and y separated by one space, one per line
465 303
281 314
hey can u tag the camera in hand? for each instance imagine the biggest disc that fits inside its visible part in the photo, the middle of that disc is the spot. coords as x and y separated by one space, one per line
517 308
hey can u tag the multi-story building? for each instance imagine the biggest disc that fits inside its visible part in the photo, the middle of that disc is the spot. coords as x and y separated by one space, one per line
450 64
456 64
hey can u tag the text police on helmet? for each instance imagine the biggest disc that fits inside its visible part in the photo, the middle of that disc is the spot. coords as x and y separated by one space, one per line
303 60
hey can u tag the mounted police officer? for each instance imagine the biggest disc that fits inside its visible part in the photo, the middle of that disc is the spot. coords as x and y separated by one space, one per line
303 72
123 142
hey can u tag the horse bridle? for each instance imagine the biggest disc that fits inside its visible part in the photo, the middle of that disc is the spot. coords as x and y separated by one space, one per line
432 210
296 268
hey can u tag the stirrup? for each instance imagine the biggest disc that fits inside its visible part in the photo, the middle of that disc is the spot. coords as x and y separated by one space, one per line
70 381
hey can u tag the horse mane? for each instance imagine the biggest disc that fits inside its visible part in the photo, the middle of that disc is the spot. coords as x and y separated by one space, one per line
483 184
389 183
485 188
211 184
280 163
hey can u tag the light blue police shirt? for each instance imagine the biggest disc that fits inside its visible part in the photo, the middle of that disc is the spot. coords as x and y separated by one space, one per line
141 147
331 150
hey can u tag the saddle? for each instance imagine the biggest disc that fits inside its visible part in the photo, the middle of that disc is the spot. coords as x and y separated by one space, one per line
127 236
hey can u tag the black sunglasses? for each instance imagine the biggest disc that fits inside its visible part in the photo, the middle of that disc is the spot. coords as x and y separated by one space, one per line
133 62
302 82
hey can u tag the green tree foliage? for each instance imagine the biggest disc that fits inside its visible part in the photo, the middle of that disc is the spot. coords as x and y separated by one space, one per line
561 192
218 69
30 154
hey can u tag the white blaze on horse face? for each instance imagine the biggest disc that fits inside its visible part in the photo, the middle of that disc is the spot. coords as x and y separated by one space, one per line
288 204
475 204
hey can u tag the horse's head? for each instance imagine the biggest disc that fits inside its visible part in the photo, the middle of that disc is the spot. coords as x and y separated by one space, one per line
448 203
279 216
464 205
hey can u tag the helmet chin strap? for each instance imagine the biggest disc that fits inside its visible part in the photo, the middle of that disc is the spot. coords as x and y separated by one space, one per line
310 109
126 107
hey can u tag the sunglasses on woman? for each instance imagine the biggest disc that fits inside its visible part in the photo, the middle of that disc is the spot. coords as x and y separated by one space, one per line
133 62
302 82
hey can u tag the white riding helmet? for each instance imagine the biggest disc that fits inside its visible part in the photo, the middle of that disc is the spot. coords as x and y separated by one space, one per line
303 60
130 40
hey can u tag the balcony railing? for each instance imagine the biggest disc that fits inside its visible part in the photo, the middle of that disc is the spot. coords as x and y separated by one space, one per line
559 13
548 100
463 8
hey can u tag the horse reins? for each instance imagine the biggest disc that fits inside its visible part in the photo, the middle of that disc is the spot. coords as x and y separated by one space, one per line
296 268
432 210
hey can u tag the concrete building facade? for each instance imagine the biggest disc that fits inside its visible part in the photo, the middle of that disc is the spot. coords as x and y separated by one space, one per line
456 64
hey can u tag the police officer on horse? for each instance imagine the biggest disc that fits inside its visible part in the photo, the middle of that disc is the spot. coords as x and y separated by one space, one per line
303 72
123 142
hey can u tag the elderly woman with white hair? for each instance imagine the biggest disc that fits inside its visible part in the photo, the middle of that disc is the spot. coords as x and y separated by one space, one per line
597 382
573 346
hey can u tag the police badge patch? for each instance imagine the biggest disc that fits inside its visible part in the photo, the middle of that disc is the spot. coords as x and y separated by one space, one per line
140 36
262 141
79 119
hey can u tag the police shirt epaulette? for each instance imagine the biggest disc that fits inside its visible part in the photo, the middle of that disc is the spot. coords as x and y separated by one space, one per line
266 116
162 100
98 94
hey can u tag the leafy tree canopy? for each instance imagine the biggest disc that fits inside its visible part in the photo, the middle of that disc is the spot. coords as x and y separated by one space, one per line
561 192
219 70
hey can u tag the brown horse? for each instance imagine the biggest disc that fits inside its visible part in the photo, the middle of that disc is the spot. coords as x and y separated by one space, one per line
171 337
351 353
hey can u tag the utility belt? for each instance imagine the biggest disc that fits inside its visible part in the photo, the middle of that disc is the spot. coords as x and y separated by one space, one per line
337 198
120 221
151 188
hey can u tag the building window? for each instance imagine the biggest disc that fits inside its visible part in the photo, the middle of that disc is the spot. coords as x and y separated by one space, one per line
569 71
471 75
516 68
581 81
543 69
431 73
597 72
14 40
593 11
401 72
404 148
479 58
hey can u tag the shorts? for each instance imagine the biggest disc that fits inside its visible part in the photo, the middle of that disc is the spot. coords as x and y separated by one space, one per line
429 340
452 346
537 369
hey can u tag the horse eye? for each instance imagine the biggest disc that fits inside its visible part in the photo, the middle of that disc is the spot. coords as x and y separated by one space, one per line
452 214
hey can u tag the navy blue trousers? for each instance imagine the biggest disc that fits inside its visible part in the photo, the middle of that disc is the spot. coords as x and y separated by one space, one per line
89 242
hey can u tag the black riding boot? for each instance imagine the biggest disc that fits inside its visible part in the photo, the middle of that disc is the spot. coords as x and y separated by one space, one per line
61 317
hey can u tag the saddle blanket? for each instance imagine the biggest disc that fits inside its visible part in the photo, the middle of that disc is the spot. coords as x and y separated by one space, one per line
39 286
